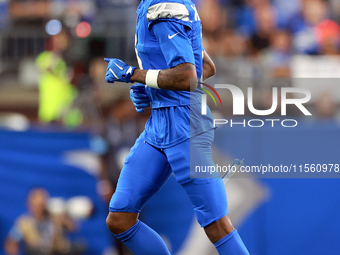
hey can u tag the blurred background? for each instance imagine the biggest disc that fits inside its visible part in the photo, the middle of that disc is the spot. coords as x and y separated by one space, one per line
64 132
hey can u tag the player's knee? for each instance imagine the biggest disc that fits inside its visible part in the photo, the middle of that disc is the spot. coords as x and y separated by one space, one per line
218 229
115 223
119 222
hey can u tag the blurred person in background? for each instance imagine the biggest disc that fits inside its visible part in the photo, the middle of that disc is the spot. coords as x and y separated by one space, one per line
303 25
56 94
328 37
214 21
219 38
121 131
277 57
335 7
39 232
233 44
265 24
122 127
326 108
88 101
245 16
286 10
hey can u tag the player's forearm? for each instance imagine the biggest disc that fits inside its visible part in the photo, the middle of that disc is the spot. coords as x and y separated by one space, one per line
181 77
209 68
139 76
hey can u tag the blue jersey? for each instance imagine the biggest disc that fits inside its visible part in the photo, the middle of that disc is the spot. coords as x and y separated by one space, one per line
168 33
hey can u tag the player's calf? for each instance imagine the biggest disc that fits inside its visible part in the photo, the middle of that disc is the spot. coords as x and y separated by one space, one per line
137 236
225 238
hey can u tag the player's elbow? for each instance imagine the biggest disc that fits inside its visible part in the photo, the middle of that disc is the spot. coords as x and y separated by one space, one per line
209 69
212 69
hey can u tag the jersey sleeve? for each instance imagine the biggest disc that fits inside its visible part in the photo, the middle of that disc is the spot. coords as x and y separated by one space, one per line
174 42
170 24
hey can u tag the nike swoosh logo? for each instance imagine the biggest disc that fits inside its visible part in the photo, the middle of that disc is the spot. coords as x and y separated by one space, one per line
121 68
172 36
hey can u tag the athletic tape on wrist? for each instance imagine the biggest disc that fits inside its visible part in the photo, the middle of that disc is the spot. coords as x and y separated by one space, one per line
151 78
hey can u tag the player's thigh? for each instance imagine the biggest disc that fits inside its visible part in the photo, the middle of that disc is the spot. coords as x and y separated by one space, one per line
192 159
208 198
144 172
206 191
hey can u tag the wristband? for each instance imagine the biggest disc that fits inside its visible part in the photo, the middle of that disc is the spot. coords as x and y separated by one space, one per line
151 78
